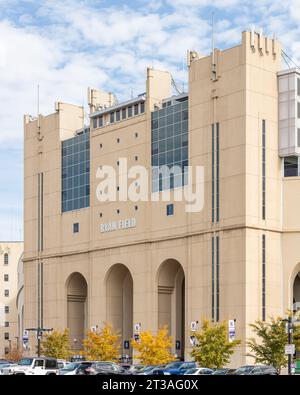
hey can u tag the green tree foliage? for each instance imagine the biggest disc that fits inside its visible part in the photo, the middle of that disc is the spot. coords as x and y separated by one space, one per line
268 345
154 349
103 345
213 348
56 345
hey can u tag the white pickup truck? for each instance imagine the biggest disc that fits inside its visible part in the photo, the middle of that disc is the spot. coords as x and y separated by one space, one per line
33 366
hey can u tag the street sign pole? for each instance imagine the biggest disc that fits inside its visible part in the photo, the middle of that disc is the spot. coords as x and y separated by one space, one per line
290 330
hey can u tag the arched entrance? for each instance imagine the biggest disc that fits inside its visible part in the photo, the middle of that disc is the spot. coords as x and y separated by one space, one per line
171 302
119 308
296 292
76 309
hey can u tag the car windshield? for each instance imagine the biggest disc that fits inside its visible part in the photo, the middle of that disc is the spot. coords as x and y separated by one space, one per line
26 362
245 369
174 365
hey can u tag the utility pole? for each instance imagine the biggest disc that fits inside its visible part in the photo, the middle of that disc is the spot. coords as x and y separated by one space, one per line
39 333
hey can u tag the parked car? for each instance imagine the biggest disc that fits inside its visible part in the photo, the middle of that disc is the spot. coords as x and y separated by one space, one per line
177 368
33 366
264 370
83 368
198 371
223 372
5 365
105 368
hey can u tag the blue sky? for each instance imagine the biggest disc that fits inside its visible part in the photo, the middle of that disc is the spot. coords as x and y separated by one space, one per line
66 46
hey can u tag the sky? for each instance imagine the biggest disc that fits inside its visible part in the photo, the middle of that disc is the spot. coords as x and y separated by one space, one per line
67 46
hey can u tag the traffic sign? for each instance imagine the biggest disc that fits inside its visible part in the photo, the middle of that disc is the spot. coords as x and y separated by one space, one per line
289 349
231 330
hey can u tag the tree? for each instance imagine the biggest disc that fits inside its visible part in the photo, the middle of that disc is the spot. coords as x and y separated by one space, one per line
296 337
56 345
268 346
14 354
154 349
212 346
102 345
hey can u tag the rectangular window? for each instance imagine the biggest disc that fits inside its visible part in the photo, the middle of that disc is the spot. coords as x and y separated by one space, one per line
123 113
6 293
291 166
6 277
169 140
94 123
142 107
263 169
263 277
213 173
170 209
217 279
213 278
6 324
112 117
6 336
5 259
136 109
100 122
76 228
6 309
218 173
75 172
118 116
130 112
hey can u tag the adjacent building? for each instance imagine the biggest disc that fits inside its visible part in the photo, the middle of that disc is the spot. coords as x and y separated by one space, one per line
142 264
10 260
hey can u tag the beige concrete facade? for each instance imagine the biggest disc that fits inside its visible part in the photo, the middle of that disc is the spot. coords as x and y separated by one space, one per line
10 260
161 271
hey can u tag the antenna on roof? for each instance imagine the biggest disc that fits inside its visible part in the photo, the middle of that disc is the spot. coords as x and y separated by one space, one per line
213 63
176 87
38 100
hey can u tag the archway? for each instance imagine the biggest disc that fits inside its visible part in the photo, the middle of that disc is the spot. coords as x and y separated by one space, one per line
171 302
119 308
296 292
76 309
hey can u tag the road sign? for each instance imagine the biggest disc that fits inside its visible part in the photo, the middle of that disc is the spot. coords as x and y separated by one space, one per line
289 349
137 327
178 345
193 326
126 344
25 335
231 330
136 337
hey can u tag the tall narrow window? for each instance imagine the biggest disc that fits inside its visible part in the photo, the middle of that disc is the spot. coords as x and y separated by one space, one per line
263 169
217 279
213 278
218 172
263 277
213 174
6 259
